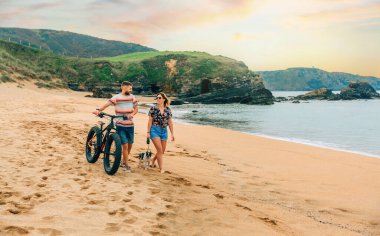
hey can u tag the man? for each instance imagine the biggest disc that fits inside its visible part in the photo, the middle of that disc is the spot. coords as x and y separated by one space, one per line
125 103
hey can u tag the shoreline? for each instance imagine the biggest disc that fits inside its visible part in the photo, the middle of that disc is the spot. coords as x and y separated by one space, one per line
305 142
288 139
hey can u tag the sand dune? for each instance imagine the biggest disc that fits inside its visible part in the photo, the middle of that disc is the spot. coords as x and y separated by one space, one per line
218 182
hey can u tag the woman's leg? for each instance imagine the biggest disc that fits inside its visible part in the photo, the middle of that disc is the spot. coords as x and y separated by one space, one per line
158 146
163 145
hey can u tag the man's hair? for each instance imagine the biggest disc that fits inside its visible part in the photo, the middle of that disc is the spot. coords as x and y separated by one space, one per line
126 83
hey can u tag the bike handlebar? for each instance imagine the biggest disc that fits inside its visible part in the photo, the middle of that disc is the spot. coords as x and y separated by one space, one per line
102 114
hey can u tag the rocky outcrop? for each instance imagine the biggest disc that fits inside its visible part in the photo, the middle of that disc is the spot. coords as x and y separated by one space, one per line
358 90
176 102
320 94
247 90
281 99
100 93
355 90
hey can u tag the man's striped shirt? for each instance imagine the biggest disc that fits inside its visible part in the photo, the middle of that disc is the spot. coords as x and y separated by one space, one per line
124 105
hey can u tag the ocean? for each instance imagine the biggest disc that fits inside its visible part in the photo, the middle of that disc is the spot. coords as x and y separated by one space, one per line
352 126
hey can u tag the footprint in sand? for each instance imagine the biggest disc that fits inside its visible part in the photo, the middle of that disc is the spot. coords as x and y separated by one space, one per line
204 186
111 213
217 195
112 227
95 202
160 226
49 218
164 214
177 181
85 187
167 199
169 206
244 207
154 190
268 220
136 208
14 211
50 231
130 220
199 210
14 230
41 185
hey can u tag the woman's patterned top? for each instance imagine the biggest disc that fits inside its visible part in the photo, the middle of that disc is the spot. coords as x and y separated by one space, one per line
159 119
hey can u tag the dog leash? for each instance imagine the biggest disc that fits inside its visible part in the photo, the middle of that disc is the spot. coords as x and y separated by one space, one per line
148 142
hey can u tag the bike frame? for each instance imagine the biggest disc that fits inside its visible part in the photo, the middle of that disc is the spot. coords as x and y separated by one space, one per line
108 129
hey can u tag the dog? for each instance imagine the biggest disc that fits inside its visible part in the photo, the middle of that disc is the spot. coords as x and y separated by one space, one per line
144 159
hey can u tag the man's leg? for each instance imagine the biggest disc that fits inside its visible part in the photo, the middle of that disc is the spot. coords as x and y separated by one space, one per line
130 135
126 151
129 151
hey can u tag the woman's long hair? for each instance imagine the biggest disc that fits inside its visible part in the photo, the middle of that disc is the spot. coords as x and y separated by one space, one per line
166 99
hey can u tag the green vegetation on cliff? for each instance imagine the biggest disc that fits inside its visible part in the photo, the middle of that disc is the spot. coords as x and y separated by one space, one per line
167 70
305 79
70 44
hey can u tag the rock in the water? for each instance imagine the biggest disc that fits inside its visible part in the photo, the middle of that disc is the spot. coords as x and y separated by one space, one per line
280 99
247 90
320 94
358 90
176 102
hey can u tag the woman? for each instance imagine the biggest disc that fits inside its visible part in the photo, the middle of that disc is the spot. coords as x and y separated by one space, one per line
160 117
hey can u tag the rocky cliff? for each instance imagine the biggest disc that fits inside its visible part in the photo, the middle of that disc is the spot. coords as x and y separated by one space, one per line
307 79
192 76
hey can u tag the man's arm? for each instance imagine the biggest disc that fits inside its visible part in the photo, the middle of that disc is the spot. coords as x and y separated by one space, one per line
101 108
135 111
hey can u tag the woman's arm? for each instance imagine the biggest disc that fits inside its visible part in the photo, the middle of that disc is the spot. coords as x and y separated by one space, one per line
171 128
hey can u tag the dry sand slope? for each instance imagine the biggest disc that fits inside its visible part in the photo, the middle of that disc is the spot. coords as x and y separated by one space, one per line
47 186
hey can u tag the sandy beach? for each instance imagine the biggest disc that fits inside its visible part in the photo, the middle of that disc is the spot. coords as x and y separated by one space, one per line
218 182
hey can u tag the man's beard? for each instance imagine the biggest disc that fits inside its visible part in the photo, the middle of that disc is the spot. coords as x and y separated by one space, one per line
127 93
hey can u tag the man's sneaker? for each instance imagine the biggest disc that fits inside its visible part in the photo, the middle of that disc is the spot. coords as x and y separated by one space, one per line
122 163
126 169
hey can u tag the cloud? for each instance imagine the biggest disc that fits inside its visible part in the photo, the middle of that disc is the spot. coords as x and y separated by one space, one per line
347 14
143 20
14 12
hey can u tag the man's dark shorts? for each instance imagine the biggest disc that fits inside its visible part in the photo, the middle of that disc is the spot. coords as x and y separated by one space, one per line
126 134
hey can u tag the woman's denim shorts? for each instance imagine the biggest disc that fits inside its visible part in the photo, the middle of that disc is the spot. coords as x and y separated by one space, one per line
159 132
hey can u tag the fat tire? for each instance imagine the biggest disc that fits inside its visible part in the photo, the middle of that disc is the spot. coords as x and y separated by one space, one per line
95 130
113 138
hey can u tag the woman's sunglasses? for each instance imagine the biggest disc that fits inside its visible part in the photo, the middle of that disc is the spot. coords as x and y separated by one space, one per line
158 97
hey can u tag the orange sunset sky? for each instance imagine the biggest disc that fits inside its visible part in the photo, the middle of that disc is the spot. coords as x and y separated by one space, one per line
334 35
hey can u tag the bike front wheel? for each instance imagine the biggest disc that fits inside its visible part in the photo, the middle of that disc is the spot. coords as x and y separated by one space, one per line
112 154
93 143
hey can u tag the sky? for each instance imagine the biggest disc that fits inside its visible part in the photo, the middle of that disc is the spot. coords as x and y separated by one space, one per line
333 35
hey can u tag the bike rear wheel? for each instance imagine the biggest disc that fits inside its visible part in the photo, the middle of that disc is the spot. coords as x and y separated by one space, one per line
112 154
93 143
